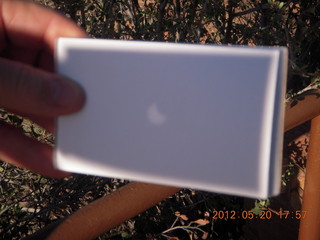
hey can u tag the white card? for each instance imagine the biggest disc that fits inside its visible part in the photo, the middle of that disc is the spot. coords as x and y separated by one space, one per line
195 116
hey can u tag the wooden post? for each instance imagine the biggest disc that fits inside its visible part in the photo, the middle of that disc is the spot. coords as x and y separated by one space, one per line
310 224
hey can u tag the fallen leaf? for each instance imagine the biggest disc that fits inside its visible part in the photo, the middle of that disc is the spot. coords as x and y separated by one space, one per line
205 235
184 217
202 222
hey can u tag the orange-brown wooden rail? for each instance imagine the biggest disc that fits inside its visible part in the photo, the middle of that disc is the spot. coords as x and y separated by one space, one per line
310 224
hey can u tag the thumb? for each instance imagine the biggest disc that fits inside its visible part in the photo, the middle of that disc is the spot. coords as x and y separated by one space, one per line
26 89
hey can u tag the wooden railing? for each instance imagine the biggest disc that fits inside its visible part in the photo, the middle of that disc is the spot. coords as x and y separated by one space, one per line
108 212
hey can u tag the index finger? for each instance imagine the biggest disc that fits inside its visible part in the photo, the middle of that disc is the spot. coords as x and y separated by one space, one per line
31 29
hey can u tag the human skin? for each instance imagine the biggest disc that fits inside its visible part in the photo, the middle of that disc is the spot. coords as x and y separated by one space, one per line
28 85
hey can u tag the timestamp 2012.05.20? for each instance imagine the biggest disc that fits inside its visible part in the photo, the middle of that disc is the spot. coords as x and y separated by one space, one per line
263 214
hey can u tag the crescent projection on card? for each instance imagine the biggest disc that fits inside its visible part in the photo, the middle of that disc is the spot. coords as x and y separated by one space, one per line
155 116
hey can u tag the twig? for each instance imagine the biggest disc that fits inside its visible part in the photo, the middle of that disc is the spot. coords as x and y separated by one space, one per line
255 9
185 228
175 221
162 7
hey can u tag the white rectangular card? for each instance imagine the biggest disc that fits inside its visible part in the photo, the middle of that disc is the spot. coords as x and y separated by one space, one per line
196 116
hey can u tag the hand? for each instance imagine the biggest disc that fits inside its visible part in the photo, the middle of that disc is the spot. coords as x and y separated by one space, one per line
28 85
